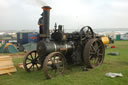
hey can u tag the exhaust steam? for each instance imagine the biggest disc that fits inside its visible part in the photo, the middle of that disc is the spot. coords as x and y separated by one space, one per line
37 2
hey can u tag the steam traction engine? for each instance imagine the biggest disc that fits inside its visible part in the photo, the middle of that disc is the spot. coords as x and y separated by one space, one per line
58 49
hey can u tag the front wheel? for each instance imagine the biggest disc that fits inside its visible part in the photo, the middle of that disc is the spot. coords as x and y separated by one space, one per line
54 64
31 62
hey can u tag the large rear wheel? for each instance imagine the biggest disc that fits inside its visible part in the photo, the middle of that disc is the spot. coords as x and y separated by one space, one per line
93 54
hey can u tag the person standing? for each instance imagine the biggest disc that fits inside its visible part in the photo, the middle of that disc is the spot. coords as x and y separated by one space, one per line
41 25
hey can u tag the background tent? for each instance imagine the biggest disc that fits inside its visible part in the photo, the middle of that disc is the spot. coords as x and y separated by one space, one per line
30 46
8 48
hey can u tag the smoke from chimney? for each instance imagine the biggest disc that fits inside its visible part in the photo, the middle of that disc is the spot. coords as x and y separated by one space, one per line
37 2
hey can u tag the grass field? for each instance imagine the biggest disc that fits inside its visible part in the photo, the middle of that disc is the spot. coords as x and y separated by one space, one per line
76 76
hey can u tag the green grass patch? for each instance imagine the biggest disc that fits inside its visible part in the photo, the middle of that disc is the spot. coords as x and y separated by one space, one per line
76 76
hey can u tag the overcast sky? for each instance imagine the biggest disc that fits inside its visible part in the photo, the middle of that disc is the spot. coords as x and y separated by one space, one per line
73 14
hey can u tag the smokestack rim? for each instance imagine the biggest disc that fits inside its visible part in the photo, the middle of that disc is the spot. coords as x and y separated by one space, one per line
46 7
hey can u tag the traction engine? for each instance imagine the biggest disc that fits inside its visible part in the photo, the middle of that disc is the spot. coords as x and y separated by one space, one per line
58 49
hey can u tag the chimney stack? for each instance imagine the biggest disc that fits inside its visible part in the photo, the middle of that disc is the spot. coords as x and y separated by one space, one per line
46 22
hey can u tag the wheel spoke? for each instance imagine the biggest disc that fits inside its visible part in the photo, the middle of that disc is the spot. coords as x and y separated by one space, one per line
37 66
94 49
92 53
29 59
91 57
100 60
30 67
38 62
31 56
96 61
35 55
33 67
53 61
100 54
99 46
28 63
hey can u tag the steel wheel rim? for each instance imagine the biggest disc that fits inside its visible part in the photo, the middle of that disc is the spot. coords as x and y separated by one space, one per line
86 32
54 65
89 57
31 62
96 53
